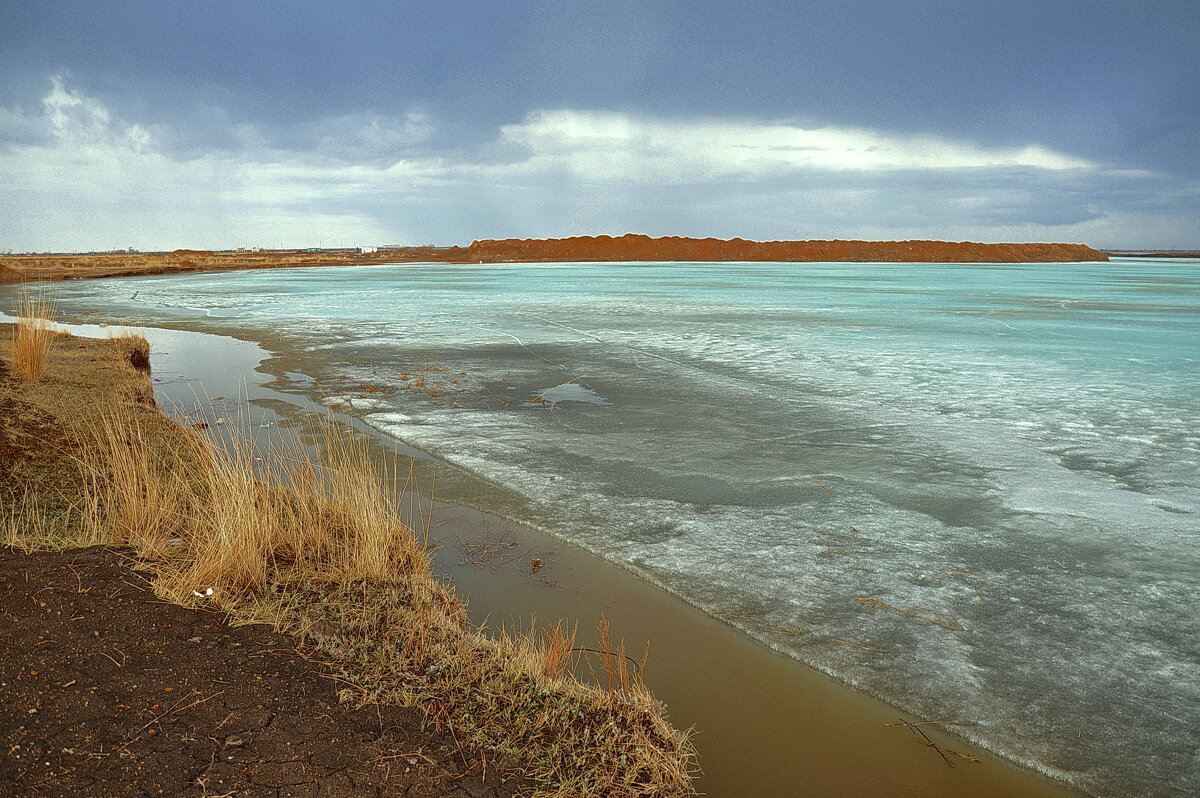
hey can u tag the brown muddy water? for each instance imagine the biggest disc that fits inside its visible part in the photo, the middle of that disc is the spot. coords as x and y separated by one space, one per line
764 724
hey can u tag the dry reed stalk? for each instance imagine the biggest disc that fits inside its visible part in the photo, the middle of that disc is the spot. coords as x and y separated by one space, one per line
542 395
34 333
130 497
857 645
557 646
606 653
27 524
942 618
619 681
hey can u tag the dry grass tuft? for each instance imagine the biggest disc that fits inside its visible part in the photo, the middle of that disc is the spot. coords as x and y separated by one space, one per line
138 349
555 649
133 494
34 333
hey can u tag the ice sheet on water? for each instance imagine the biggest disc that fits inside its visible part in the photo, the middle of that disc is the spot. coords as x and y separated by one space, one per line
353 401
566 392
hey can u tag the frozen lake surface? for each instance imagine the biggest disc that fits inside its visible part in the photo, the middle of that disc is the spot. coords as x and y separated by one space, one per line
972 490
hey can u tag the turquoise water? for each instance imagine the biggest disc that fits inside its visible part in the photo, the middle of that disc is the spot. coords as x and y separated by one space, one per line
1009 453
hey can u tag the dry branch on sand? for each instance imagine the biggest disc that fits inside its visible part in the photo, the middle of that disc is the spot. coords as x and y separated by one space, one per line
943 752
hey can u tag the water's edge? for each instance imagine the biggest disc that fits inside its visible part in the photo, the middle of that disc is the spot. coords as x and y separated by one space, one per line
182 356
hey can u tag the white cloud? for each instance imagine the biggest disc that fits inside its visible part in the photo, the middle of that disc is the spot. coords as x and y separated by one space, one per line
74 175
100 181
610 146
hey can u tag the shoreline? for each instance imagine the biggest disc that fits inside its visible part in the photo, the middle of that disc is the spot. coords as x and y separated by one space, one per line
578 249
368 611
703 663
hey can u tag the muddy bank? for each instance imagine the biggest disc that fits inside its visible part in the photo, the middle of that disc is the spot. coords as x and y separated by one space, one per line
103 683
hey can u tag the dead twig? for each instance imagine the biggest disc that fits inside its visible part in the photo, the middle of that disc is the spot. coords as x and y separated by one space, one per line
916 729
941 619
542 395
973 577
120 664
168 713
637 666
858 645
411 755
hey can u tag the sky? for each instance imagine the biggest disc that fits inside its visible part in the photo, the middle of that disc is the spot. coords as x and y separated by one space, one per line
157 125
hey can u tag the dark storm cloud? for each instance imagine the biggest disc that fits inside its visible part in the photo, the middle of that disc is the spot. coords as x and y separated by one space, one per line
519 118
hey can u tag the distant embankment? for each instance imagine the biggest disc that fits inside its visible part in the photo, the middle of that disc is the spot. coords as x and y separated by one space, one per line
643 248
14 268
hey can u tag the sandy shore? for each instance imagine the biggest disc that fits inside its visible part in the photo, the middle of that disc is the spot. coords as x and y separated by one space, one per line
766 724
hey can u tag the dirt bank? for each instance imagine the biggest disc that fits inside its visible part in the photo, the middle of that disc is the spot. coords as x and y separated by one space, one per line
108 689
15 268
643 248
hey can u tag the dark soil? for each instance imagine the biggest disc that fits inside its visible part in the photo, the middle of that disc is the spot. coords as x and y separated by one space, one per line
106 690
34 453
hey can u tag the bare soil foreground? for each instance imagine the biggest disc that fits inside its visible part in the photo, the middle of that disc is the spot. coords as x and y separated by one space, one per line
178 619
104 687
108 689
15 268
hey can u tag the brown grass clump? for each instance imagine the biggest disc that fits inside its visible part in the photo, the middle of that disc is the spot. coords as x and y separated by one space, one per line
139 351
33 335
311 540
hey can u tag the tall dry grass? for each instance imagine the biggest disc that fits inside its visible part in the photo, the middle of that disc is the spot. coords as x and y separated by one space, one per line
238 515
310 539
28 524
34 333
